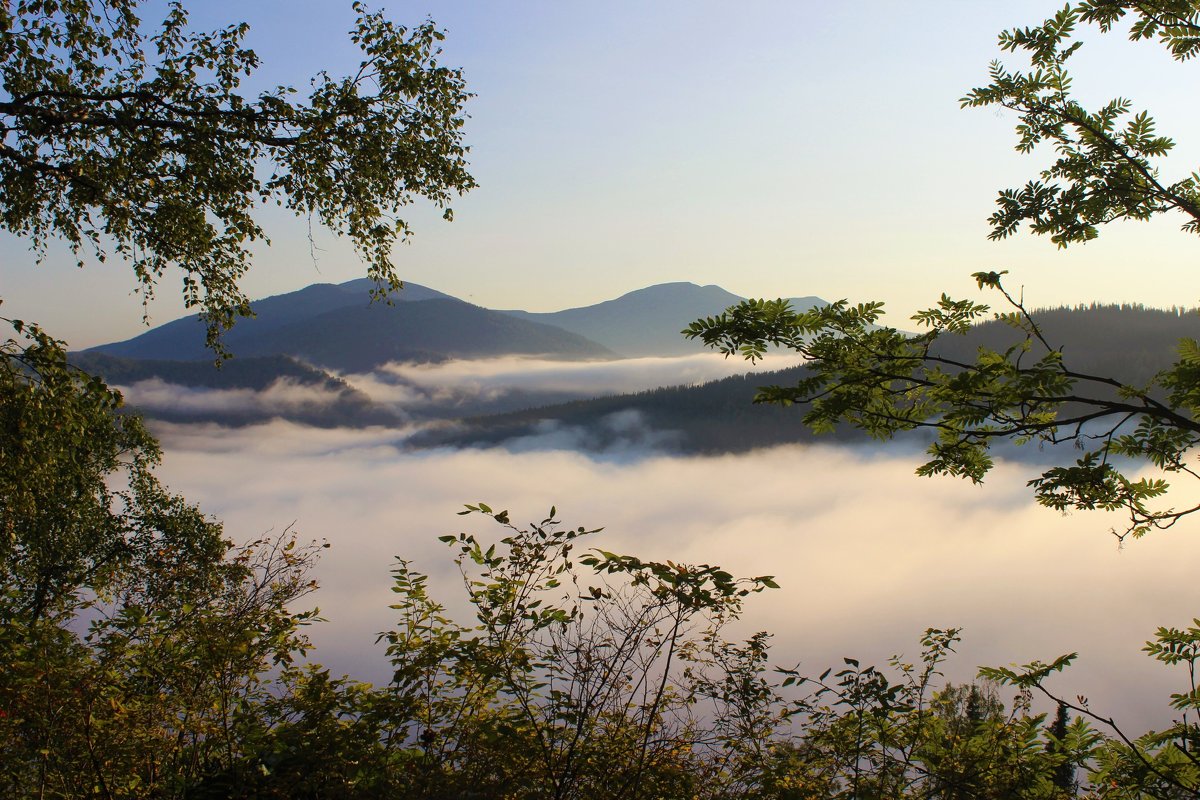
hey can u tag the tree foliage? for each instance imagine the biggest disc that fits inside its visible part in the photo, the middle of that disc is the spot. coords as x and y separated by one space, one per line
588 664
132 634
66 526
163 662
138 141
1105 169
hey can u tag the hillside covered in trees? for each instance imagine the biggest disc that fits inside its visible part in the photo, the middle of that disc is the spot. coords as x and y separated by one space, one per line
1130 343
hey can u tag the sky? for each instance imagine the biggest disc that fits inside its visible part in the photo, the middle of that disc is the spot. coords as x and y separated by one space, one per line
775 149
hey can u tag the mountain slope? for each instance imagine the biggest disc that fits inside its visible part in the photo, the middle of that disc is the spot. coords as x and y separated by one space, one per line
647 322
183 339
360 339
337 327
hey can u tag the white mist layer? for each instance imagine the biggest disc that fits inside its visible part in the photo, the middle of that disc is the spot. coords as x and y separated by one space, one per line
282 396
867 554
586 377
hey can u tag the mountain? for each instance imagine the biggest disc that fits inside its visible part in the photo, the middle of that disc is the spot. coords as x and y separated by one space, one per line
647 322
335 326
281 354
277 371
360 339
1130 343
183 339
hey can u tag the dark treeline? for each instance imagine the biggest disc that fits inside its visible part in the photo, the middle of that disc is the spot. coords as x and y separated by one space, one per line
715 417
252 372
1127 342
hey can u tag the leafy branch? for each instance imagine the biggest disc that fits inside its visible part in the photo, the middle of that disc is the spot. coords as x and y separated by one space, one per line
885 383
140 144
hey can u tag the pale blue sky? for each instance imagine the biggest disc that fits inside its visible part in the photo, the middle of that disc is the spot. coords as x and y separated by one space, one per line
775 148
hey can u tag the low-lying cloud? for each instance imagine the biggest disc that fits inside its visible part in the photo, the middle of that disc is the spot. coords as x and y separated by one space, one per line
867 554
281 397
622 434
584 377
404 394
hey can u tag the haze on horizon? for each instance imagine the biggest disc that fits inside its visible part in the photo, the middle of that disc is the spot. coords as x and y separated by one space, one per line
787 149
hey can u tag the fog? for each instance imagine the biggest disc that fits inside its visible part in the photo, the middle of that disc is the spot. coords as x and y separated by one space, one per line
587 377
483 379
461 387
282 396
867 554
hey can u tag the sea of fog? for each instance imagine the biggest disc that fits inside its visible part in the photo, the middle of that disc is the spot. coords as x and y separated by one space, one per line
867 554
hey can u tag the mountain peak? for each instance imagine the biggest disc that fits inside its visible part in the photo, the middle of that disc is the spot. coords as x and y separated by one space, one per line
648 321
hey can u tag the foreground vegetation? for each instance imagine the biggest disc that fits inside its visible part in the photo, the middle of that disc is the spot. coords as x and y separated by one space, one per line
147 657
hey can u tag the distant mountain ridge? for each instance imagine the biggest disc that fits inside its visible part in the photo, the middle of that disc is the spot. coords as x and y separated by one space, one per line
647 322
1125 342
335 326
305 338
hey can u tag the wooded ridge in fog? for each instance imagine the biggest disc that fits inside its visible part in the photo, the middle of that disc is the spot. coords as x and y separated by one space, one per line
1129 342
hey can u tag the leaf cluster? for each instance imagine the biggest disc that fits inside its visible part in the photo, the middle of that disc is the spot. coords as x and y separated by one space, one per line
135 638
1105 167
593 660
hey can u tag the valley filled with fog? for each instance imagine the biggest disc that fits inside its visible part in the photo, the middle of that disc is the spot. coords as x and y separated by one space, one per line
370 427
867 554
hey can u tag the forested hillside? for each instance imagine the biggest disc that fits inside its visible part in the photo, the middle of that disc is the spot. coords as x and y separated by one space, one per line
1130 343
